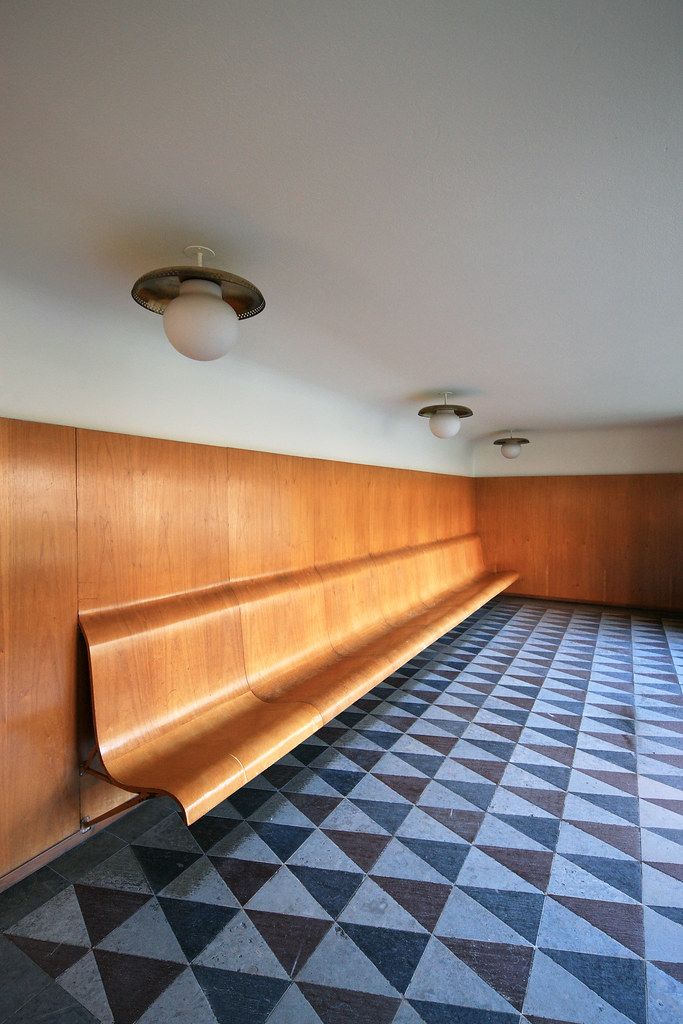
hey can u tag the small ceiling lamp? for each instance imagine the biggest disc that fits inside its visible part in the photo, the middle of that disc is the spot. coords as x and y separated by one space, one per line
201 306
444 420
510 447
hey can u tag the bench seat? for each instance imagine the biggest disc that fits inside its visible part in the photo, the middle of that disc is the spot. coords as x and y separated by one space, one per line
196 694
203 759
336 686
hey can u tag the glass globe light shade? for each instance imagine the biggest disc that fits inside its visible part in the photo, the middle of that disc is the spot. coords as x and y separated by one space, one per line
198 323
444 424
510 450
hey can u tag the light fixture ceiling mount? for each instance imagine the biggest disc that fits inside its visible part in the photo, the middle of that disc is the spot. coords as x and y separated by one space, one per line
444 419
510 447
200 305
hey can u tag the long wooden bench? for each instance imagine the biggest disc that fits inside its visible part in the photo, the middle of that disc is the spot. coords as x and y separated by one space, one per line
195 694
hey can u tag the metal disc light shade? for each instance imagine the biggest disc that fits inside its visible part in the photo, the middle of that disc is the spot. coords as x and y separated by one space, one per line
201 306
444 419
510 447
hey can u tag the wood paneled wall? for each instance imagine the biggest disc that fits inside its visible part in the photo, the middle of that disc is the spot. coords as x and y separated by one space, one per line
38 631
605 539
161 517
91 520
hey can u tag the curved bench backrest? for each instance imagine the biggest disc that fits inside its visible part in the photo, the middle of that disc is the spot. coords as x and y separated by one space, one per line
159 662
352 602
447 565
415 577
155 663
283 629
399 585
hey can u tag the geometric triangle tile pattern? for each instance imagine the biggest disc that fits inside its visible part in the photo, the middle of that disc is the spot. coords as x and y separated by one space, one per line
493 835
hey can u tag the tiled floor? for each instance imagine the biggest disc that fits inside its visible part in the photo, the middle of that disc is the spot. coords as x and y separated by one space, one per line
492 836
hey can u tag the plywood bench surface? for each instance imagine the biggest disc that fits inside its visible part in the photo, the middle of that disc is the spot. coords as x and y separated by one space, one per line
195 694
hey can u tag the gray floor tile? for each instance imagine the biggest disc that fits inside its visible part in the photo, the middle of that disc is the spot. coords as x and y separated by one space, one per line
29 894
52 1006
74 864
20 978
141 818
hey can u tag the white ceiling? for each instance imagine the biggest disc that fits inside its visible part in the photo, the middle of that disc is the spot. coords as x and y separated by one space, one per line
475 194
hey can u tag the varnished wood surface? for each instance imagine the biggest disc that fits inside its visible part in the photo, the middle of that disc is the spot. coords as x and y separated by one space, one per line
283 629
38 609
352 609
173 710
195 694
159 661
336 686
398 580
361 510
453 608
152 518
341 503
271 513
604 539
202 759
447 565
216 576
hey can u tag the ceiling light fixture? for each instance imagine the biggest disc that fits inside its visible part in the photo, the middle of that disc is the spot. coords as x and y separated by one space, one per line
510 447
201 306
444 420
